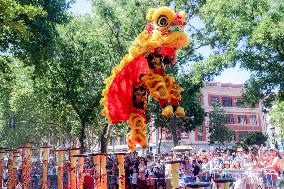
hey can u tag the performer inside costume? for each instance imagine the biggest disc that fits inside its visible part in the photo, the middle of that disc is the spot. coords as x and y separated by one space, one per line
142 73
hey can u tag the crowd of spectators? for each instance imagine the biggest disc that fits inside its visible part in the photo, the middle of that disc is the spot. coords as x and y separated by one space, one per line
258 168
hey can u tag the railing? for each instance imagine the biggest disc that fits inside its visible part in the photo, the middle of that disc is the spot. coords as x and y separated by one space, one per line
252 179
244 179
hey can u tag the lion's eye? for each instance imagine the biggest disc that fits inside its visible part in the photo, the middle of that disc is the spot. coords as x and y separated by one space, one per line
162 21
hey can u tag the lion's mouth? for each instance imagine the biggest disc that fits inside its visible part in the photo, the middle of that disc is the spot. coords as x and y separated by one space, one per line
175 28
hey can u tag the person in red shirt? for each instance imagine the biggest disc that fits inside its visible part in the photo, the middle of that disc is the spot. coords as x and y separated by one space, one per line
88 174
271 165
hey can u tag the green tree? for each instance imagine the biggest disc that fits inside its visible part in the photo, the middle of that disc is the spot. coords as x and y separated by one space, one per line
253 138
218 131
245 32
27 34
277 116
119 23
35 119
28 29
74 76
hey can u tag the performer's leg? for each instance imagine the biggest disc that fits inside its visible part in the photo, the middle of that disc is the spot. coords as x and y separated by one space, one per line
178 111
156 85
174 97
138 132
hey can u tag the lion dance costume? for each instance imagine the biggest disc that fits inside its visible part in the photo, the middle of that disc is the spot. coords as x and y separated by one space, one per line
141 73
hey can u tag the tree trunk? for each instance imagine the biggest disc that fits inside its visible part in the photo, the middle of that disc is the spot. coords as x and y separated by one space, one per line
148 138
160 142
173 131
82 137
104 139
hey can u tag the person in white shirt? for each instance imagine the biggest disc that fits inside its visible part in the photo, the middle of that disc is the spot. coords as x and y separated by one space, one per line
134 179
5 177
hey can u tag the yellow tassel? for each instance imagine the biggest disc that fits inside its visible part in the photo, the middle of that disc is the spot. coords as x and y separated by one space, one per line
132 148
105 91
183 15
180 112
143 143
150 14
136 121
168 111
156 85
105 112
138 132
103 102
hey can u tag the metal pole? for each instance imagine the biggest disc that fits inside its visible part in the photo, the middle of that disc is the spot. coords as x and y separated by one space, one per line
157 140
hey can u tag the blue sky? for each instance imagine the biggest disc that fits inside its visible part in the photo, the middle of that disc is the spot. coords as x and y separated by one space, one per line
232 75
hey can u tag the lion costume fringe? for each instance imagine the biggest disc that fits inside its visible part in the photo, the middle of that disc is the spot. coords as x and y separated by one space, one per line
141 73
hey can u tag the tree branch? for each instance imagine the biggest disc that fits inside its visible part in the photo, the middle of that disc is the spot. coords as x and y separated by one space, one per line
117 38
193 49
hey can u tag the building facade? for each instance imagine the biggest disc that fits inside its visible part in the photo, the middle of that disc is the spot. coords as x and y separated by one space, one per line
240 118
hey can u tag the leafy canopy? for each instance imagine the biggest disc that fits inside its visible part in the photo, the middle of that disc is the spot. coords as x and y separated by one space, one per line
277 117
249 33
218 131
253 138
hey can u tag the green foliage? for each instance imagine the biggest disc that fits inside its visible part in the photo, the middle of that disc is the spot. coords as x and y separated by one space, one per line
247 32
277 117
252 139
28 29
194 113
218 131
56 85
74 76
13 19
191 103
120 22
27 38
35 118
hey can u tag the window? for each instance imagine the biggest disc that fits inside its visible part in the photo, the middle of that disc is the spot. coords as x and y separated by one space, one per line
235 135
239 103
243 134
227 101
112 142
179 135
122 140
242 119
214 100
253 120
168 136
200 133
184 135
229 119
